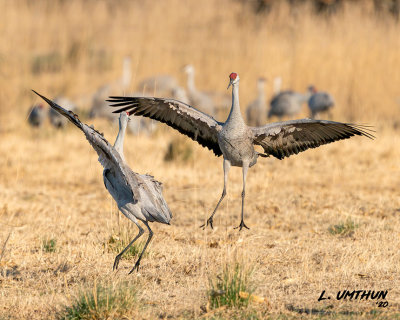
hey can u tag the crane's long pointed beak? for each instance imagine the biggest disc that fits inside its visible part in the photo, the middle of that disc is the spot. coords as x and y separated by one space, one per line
230 82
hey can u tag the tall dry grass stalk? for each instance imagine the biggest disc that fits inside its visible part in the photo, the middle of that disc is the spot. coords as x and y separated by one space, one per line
72 47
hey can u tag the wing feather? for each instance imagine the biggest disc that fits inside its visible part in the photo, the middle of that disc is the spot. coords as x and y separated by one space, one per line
282 139
108 156
187 120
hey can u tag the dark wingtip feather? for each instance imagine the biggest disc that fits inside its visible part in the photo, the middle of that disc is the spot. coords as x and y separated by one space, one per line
43 97
363 130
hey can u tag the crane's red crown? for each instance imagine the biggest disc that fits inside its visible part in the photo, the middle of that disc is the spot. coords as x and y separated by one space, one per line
233 76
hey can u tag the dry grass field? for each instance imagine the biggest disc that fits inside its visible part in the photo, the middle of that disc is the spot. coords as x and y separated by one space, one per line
326 219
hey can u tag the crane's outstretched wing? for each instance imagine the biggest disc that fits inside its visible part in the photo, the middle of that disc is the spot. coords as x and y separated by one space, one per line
108 156
187 120
282 139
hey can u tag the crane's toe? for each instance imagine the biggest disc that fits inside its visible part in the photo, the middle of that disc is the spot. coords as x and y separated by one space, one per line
137 264
116 262
241 225
209 222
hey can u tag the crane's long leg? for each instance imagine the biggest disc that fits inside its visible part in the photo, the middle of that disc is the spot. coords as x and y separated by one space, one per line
118 257
227 166
144 249
245 167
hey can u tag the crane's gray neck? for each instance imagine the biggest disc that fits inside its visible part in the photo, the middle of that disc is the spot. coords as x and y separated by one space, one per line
235 114
190 81
119 142
261 91
277 85
126 73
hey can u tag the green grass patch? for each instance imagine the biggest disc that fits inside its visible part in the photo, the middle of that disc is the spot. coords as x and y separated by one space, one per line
225 289
49 245
344 229
102 302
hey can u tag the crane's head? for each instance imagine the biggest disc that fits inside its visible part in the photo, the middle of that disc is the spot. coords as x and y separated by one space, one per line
312 89
124 117
233 79
188 69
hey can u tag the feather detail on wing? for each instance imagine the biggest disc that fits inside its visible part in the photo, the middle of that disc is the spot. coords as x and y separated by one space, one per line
282 139
187 120
108 156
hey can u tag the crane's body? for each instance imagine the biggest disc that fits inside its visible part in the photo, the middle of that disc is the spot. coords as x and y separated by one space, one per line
99 108
319 102
36 115
198 98
139 197
234 140
287 103
256 110
56 119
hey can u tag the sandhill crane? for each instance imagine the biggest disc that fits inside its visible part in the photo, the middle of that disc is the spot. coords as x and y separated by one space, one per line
319 102
208 102
287 103
200 99
161 85
99 107
256 110
178 93
36 115
138 196
56 119
277 85
234 139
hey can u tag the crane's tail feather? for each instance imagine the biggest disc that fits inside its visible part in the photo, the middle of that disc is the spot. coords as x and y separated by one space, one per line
66 113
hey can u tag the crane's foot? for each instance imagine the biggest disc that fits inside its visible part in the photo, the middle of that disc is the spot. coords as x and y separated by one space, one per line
137 264
209 222
116 262
241 225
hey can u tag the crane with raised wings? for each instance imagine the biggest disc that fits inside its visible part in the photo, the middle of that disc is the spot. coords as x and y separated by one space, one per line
233 139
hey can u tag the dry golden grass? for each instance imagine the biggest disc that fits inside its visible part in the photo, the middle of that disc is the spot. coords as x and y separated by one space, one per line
51 184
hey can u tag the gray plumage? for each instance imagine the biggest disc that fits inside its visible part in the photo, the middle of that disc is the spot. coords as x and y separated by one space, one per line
158 85
234 139
56 119
256 110
99 108
201 100
36 115
287 103
138 196
179 93
319 102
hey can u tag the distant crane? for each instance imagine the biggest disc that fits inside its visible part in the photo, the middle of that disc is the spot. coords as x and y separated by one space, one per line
99 107
161 84
56 119
179 93
197 98
256 110
138 196
36 115
287 103
277 85
209 102
319 102
234 139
